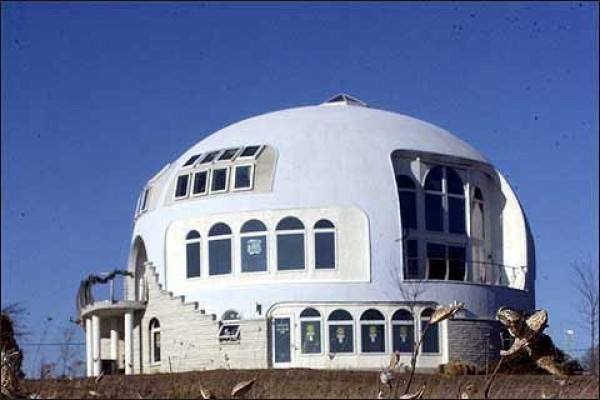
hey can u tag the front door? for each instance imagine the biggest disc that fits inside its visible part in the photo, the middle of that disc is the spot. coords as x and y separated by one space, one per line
282 340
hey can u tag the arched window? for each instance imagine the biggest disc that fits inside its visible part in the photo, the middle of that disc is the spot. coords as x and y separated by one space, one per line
340 326
290 244
154 328
403 331
431 340
192 254
231 315
372 331
310 331
253 246
324 244
219 249
444 190
408 201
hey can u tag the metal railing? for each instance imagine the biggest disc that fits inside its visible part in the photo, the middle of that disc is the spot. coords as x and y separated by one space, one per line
85 295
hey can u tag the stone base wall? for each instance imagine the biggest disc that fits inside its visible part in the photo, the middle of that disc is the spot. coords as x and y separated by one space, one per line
468 340
189 336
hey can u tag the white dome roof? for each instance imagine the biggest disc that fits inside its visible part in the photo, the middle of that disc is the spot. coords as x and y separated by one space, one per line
332 131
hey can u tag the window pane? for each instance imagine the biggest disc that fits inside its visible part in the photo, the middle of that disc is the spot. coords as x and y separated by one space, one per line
412 249
193 259
456 217
455 185
324 250
434 179
456 263
249 151
311 337
408 209
219 179
290 251
309 312
219 256
324 224
340 315
209 157
199 182
404 338
434 213
228 154
431 343
372 338
436 260
192 235
156 341
253 225
404 182
289 224
219 229
372 315
341 339
242 177
254 253
191 160
402 315
182 185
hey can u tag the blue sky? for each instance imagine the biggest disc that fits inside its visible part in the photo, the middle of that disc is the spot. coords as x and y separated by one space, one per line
96 98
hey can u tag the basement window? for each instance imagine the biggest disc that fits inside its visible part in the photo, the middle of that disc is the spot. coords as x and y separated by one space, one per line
229 333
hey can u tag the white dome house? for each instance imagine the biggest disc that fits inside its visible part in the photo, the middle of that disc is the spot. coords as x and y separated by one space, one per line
316 237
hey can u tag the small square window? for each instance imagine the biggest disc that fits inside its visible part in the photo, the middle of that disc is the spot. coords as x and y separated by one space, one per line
200 183
181 188
243 177
219 179
229 332
192 160
209 157
251 152
228 154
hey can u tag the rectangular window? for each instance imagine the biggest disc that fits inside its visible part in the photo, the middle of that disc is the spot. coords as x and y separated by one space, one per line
228 154
341 339
254 253
193 259
229 332
219 180
404 337
411 251
311 337
144 202
408 209
191 160
243 177
372 338
209 157
219 256
181 188
250 151
290 251
200 183
456 263
156 349
456 215
434 213
431 343
436 261
324 250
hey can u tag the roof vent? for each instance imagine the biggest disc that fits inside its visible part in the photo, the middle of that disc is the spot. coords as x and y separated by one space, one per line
344 99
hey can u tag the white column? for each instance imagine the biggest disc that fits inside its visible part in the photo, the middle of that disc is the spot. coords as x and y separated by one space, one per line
114 341
89 357
128 342
96 344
